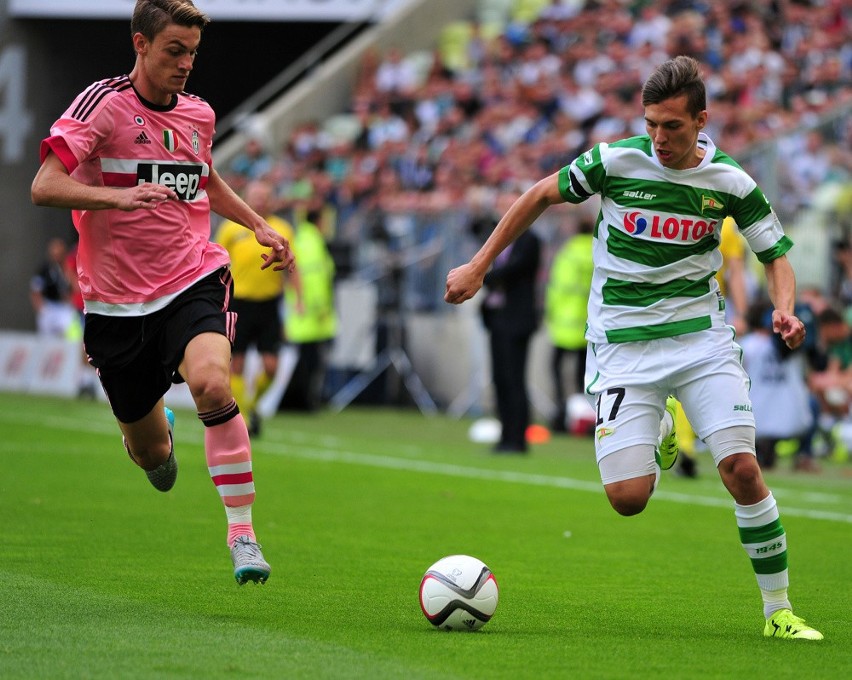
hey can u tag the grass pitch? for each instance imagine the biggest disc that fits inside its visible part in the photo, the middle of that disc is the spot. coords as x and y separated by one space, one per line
101 576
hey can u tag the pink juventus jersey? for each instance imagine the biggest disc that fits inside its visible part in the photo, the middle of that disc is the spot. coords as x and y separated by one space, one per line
132 263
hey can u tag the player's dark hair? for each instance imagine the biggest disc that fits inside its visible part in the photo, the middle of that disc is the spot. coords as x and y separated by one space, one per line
152 16
673 78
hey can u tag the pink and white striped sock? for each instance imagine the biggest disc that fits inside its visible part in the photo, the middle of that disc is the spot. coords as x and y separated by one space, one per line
228 452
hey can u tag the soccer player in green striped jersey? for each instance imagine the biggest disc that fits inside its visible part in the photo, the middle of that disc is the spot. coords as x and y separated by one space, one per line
656 321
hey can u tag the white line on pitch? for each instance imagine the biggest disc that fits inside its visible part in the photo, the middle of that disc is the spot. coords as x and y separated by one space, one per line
447 469
451 470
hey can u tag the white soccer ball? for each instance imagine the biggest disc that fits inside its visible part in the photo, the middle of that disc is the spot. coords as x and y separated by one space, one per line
458 593
485 431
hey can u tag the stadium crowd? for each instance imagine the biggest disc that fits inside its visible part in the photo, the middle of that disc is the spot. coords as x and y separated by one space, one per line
501 103
528 85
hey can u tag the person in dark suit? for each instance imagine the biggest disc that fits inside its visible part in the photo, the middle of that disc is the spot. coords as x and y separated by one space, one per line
510 315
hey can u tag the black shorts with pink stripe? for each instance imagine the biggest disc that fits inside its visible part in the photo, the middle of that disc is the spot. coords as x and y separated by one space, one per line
137 357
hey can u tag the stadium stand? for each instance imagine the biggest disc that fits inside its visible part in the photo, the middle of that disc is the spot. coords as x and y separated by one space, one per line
521 87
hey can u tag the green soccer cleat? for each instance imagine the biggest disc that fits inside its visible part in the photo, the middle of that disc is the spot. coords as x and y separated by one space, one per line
786 625
668 450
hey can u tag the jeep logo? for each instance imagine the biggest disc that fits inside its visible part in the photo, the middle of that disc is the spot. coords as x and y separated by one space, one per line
184 180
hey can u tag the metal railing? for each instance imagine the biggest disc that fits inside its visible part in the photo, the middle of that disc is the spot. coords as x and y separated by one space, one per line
286 78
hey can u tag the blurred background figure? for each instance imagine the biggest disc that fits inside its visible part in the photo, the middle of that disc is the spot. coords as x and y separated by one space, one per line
50 293
779 392
565 309
310 314
256 300
736 289
87 383
832 385
252 163
510 315
733 277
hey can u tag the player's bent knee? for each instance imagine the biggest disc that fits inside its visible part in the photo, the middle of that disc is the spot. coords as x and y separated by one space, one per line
743 468
629 497
210 392
628 476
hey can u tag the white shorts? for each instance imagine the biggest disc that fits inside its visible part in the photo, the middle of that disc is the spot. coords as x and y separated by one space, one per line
55 318
631 382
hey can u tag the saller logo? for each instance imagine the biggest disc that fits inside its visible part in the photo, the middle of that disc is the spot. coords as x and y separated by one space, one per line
184 180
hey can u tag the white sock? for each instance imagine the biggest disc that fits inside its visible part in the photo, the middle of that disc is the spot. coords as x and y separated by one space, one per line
238 515
773 600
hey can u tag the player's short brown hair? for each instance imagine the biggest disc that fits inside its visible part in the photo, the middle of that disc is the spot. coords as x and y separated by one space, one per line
673 78
152 16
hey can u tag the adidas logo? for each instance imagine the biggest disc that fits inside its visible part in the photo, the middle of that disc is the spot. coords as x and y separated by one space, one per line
142 139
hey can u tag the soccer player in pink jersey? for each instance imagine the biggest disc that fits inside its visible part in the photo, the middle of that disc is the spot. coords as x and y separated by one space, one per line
132 158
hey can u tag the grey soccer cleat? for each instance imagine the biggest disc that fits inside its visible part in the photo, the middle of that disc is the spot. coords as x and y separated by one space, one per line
164 476
249 564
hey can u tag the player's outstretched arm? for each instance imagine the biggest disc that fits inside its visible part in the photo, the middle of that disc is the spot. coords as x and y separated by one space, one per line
781 284
225 202
55 188
463 282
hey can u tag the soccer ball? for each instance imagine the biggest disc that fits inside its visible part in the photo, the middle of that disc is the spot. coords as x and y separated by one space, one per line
458 593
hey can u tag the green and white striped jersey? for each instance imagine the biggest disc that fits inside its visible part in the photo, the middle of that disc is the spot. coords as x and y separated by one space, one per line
656 248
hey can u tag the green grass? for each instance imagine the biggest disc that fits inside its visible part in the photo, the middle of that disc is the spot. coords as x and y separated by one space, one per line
103 577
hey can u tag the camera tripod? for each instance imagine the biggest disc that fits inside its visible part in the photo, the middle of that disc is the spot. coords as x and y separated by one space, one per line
392 356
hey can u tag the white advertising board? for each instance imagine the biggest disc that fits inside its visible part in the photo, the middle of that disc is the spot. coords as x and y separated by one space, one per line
30 363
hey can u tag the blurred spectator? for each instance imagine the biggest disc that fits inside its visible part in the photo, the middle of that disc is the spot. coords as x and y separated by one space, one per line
253 162
565 309
50 293
559 10
779 393
732 275
651 28
833 385
842 253
256 301
831 381
395 76
311 317
385 127
510 317
807 163
87 382
581 104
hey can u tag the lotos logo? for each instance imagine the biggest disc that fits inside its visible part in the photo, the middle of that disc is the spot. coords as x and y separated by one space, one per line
634 223
185 180
669 228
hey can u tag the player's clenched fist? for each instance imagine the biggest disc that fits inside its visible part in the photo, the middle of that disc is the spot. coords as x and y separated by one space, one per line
789 327
462 284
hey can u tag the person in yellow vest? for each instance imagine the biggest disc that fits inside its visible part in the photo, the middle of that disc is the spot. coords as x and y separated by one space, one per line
565 309
732 277
734 288
311 317
256 301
